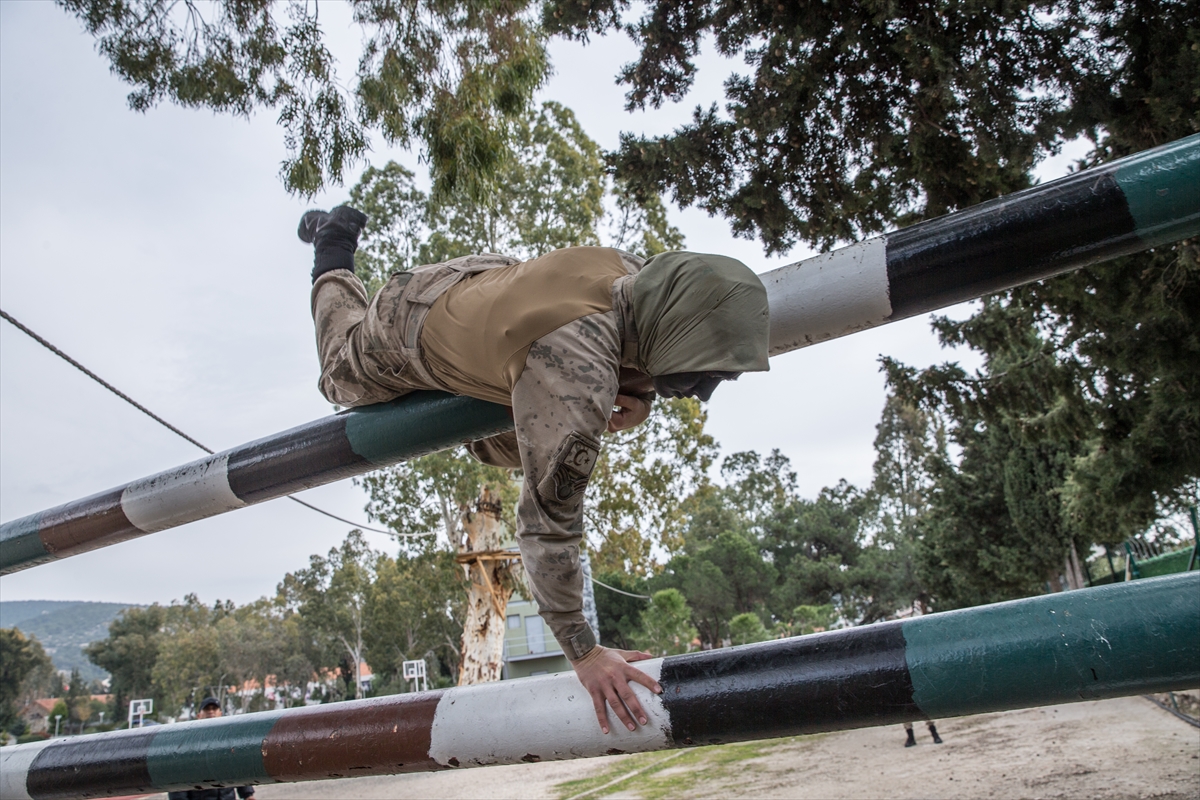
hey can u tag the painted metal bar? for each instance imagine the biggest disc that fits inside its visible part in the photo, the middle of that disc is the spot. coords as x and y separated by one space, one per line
1125 639
1123 207
1129 205
320 452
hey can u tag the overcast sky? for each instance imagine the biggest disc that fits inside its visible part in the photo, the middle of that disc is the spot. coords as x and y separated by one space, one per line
159 250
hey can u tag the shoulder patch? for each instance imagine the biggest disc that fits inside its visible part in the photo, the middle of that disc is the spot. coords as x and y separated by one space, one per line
568 472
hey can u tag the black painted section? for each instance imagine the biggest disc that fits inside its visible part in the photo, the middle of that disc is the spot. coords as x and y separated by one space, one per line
92 767
1023 237
310 455
824 682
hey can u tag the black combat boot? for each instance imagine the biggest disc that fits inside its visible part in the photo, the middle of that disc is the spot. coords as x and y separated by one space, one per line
335 235
912 739
933 732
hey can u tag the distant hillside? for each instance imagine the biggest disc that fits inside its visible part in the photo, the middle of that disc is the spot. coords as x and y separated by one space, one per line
64 628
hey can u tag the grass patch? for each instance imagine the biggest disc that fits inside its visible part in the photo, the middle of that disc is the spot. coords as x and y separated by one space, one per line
669 774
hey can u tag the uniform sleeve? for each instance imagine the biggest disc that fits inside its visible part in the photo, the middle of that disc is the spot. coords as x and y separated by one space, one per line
561 406
497 451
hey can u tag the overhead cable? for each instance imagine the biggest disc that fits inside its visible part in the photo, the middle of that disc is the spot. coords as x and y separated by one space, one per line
621 591
46 344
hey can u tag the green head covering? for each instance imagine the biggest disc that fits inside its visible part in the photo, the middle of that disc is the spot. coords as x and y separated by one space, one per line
700 313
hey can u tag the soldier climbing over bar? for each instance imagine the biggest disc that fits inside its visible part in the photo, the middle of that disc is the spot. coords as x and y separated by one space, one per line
576 342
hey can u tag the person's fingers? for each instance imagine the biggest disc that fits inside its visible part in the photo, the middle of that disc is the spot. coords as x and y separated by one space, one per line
631 701
629 411
601 711
634 655
614 700
635 674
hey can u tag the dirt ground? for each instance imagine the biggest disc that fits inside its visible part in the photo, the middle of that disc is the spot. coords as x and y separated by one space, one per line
1122 748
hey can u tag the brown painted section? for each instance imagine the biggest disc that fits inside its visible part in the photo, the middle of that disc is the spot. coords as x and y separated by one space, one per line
87 524
382 736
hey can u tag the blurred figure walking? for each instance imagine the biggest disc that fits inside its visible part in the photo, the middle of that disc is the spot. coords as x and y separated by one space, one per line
912 739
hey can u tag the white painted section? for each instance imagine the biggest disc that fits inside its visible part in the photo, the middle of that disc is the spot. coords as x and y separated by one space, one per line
550 718
14 768
828 296
191 492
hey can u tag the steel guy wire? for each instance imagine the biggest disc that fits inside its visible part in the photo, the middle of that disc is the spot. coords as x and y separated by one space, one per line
44 343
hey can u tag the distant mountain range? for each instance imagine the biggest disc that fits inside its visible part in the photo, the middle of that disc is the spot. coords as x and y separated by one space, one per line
64 628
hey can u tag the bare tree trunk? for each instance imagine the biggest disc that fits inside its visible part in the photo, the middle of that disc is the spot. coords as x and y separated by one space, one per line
490 571
1055 582
1075 577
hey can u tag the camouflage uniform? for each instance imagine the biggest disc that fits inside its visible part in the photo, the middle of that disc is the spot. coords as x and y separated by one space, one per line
371 352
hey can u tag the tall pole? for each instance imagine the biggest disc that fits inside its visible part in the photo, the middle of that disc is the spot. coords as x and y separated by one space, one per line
1123 639
1129 205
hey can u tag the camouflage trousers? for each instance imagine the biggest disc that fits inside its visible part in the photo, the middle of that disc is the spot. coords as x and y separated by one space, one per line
561 405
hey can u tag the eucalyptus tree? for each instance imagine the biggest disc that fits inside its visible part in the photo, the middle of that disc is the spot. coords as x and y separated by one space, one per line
331 598
447 77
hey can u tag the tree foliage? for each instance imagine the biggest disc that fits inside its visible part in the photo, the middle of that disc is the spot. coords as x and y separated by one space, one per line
747 628
808 619
19 657
757 560
449 76
43 680
852 116
331 598
180 653
428 495
666 628
636 496
416 612
187 665
130 652
1082 426
619 612
357 605
553 192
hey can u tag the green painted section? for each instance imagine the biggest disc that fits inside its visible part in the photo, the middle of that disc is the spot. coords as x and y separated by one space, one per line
1129 638
1162 188
1166 564
228 750
422 423
20 545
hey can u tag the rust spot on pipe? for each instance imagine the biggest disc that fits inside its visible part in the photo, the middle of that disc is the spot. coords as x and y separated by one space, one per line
530 758
88 524
381 733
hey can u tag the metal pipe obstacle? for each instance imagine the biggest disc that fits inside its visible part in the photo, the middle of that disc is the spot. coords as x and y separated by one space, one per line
1129 205
1124 639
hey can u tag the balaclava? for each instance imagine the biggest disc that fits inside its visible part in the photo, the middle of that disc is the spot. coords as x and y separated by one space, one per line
697 313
